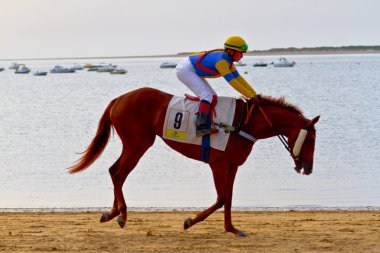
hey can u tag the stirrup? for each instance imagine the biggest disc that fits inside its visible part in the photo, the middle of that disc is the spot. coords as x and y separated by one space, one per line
202 132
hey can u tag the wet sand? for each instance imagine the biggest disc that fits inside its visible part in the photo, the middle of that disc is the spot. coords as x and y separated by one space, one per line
291 231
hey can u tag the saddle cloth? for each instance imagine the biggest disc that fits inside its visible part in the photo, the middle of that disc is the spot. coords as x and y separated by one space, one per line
180 121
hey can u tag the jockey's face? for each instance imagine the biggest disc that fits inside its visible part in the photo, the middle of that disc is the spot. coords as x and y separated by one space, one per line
237 56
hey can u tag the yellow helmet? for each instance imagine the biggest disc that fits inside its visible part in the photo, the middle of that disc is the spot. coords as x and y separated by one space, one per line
236 43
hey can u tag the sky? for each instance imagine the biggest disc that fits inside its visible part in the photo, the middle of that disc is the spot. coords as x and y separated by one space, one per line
101 28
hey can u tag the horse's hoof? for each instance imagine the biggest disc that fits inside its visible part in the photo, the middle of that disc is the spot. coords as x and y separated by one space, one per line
104 218
242 234
121 222
187 223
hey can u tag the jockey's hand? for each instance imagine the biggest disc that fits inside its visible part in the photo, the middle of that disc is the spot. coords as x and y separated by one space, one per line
243 98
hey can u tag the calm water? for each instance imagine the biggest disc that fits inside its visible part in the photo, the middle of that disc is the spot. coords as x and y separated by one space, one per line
45 121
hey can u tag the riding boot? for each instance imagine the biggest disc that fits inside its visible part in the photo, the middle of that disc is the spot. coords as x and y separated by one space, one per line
201 120
201 124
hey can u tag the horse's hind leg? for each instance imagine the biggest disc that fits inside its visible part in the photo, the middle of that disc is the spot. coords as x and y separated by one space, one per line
224 180
220 174
132 152
107 216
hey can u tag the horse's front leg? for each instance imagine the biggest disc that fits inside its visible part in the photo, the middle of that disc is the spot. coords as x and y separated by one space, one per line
220 174
228 203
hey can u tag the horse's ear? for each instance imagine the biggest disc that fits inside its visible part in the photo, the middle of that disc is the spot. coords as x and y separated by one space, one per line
315 120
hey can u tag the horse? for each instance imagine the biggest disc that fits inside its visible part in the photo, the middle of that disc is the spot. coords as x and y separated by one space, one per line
138 117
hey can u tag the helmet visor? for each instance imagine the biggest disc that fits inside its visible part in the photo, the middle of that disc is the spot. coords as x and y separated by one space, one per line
242 48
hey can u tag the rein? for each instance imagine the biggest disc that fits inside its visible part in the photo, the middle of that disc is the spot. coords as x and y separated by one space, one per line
280 136
294 154
249 109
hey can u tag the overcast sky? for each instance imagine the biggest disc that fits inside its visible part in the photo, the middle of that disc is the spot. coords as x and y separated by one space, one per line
91 28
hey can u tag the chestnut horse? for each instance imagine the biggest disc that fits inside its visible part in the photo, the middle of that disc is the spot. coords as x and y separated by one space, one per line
138 116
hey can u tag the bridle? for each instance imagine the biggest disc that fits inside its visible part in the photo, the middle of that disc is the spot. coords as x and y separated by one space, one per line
300 138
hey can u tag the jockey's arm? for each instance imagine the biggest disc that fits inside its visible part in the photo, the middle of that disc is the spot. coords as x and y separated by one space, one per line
233 77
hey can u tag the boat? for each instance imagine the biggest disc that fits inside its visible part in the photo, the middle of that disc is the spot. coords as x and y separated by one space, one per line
93 68
260 64
40 73
168 65
240 64
89 65
1 69
106 68
22 69
14 65
77 66
118 71
60 69
283 62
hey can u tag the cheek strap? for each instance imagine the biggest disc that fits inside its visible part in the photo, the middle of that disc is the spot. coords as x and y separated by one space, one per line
299 142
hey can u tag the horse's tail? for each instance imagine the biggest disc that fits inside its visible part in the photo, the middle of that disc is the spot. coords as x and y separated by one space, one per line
98 144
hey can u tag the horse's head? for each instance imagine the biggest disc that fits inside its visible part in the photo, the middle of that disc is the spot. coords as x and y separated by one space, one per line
285 119
302 143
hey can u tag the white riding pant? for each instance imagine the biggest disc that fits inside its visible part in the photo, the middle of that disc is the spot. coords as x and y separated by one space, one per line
198 85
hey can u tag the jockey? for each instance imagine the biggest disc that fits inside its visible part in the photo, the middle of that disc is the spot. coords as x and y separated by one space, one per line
211 64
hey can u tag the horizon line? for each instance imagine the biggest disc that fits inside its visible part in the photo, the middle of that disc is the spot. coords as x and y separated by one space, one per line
272 51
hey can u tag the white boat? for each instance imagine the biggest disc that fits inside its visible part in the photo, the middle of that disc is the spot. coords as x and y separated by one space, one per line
40 73
282 62
60 69
22 69
77 66
107 68
14 65
118 71
168 65
240 64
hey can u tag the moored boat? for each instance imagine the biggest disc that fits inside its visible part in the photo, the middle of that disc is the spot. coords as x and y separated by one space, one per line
106 68
260 64
283 62
168 65
76 66
118 71
60 69
22 69
40 73
240 64
14 65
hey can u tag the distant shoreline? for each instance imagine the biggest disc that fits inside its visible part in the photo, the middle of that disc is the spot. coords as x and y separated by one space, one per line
329 52
271 52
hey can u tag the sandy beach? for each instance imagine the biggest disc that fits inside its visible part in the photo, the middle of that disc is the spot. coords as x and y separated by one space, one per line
292 231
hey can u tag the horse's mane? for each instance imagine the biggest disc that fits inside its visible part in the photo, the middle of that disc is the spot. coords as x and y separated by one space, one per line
280 102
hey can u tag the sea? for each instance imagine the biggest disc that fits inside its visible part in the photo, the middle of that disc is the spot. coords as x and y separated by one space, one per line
46 121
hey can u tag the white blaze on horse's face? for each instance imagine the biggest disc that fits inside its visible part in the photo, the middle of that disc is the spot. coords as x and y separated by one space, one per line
302 144
299 142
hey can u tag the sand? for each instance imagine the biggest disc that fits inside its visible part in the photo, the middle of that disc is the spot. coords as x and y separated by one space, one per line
292 231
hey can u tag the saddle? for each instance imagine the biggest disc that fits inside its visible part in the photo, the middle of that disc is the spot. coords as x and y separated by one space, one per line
180 117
